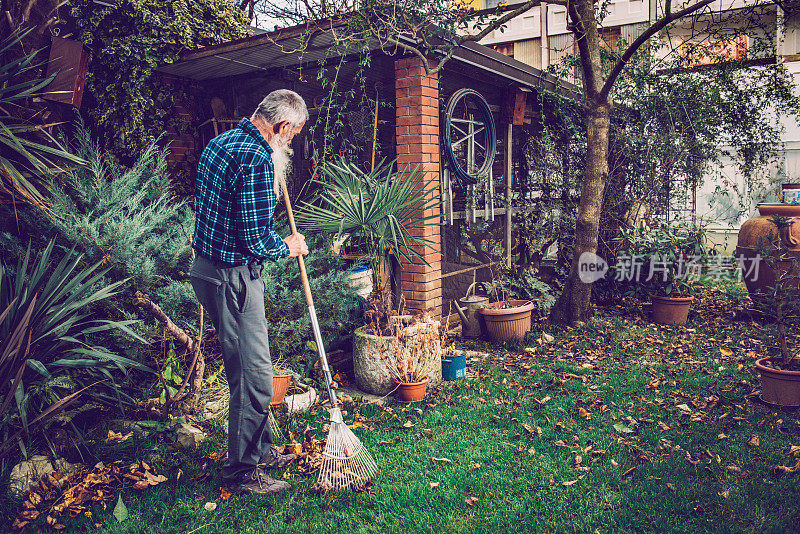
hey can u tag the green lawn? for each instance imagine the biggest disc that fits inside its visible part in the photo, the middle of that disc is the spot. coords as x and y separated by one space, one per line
532 437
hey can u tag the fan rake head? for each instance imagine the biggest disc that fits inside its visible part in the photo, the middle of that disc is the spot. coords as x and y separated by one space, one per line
346 464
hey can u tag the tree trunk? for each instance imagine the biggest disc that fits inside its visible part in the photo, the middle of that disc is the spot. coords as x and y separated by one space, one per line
574 303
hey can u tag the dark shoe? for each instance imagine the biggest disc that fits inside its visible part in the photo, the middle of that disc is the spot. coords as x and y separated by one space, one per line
275 459
256 481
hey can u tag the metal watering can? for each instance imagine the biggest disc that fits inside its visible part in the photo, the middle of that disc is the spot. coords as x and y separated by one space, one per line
471 326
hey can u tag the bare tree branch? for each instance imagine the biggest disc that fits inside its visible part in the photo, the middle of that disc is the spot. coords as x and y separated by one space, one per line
647 34
155 310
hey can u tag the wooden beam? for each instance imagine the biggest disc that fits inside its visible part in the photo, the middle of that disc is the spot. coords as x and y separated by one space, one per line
507 168
514 106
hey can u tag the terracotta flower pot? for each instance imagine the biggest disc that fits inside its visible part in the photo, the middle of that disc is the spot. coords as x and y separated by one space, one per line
778 386
507 324
753 235
671 310
411 392
280 385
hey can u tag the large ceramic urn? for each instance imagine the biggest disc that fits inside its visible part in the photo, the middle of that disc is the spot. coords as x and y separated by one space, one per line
759 234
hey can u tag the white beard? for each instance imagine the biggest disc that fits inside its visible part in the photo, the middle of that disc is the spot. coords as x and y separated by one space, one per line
282 164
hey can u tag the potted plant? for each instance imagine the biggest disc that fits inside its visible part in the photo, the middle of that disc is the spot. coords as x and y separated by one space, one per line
412 355
281 381
780 300
381 212
665 261
507 318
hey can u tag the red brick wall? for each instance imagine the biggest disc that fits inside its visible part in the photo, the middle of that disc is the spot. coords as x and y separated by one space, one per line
417 135
181 145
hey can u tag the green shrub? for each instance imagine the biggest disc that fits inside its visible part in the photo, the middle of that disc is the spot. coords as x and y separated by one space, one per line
131 223
522 284
48 302
339 309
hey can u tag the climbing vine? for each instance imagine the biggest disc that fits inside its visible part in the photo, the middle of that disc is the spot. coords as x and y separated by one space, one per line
128 41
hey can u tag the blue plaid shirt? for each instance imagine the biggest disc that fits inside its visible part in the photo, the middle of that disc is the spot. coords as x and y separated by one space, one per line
236 200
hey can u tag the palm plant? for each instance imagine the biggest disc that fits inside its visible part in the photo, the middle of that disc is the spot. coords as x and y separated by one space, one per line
382 210
46 328
29 155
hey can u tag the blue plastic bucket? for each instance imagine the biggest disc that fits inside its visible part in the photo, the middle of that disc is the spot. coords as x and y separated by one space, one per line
454 367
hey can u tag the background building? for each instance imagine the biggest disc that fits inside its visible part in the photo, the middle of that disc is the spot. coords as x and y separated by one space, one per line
540 38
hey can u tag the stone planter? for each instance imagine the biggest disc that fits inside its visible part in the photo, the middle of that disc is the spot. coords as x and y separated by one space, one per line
754 235
371 372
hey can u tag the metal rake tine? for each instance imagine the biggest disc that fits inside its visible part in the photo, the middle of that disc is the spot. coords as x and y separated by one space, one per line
275 427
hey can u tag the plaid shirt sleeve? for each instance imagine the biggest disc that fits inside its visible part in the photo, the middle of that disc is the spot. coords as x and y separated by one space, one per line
254 213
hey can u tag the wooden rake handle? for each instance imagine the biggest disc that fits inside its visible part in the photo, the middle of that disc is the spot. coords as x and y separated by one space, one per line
310 302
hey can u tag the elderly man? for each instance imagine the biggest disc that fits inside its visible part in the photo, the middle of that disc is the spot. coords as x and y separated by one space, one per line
239 180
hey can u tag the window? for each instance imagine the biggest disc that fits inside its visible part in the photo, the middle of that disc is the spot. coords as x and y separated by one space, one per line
494 3
710 52
507 49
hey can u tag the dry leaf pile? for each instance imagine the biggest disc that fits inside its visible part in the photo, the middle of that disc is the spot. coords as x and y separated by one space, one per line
73 494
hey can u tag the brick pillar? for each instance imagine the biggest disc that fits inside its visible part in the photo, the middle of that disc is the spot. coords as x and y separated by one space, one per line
417 135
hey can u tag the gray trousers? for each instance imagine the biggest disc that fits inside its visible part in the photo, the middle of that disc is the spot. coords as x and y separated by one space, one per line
234 299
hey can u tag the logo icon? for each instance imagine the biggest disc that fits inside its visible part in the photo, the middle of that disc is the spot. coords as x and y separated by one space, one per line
591 267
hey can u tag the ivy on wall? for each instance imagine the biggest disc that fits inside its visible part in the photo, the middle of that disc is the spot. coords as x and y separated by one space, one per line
128 41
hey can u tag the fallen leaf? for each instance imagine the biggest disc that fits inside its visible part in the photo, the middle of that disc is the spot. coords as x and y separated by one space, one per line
434 484
779 469
794 450
408 424
724 494
154 480
663 426
628 472
670 487
471 500
443 460
224 494
584 413
725 351
684 408
475 465
120 510
210 506
117 437
722 435
754 441
619 427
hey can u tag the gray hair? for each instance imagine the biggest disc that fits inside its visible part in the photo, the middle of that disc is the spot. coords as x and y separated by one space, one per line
280 106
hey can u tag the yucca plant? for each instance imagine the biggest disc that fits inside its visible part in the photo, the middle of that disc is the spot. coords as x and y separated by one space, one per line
47 325
29 155
379 210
